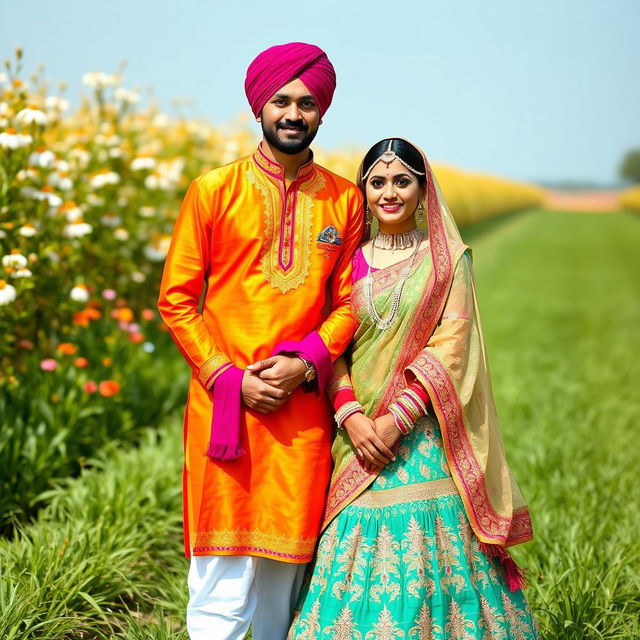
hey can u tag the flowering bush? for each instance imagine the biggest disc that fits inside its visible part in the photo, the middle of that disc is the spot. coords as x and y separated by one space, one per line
630 199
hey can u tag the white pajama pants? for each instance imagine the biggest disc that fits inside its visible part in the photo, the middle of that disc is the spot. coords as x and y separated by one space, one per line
228 593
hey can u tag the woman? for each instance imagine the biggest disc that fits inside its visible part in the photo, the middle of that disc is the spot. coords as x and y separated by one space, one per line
422 504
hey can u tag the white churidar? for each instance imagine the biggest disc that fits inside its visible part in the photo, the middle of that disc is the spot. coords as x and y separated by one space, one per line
228 593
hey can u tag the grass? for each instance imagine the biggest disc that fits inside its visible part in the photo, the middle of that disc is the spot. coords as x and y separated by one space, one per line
559 299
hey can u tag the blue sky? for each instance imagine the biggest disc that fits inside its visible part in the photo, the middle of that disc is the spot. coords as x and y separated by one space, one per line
544 90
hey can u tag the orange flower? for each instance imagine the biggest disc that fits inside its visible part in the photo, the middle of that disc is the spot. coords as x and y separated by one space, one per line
80 318
66 348
136 337
148 314
92 314
106 362
81 363
123 314
109 388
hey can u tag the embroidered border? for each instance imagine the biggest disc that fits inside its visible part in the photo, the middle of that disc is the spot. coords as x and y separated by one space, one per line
286 254
242 541
489 525
406 493
212 368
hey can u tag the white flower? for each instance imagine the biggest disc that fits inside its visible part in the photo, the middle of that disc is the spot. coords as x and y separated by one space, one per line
158 249
5 110
108 139
51 198
104 178
80 156
79 293
4 78
161 120
95 200
124 95
24 174
14 260
21 273
121 234
99 80
7 293
31 115
77 229
71 211
143 162
56 103
111 220
27 231
62 166
60 180
115 152
42 158
147 212
11 139
138 276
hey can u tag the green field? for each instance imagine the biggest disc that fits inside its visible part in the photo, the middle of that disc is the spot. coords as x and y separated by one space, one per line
559 295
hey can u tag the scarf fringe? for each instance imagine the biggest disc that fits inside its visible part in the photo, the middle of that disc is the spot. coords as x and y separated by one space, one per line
515 575
224 451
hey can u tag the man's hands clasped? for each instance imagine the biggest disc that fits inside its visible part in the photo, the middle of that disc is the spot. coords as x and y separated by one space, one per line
268 384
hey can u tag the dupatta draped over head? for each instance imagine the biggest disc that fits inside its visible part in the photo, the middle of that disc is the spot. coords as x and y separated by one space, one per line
443 347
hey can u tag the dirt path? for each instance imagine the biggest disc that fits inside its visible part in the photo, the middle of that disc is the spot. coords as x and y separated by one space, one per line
586 201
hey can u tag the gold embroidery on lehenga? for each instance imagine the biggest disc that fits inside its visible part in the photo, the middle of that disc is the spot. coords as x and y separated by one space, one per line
352 561
344 627
406 493
309 625
416 558
448 555
458 626
425 628
385 628
491 621
481 568
384 565
518 628
324 558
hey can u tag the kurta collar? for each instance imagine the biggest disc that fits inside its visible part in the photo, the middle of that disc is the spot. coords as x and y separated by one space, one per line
276 170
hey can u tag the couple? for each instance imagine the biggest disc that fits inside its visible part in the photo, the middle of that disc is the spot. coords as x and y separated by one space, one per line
271 277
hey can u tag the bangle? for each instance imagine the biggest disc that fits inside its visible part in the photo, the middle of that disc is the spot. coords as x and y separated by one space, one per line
403 423
346 410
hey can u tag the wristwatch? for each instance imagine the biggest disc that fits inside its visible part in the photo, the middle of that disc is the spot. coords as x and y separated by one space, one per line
310 373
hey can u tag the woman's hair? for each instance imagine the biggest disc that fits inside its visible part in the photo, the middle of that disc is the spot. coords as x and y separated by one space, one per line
403 149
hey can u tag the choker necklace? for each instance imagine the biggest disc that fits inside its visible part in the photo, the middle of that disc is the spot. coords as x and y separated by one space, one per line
398 241
385 323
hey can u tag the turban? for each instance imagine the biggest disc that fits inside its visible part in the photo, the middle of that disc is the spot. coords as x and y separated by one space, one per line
278 65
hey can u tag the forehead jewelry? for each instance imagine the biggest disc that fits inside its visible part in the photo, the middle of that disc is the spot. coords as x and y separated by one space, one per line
388 157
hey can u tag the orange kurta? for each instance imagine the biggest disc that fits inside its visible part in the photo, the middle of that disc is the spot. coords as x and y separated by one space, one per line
270 275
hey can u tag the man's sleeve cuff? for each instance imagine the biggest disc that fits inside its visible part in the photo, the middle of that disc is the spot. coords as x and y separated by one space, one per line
212 368
312 348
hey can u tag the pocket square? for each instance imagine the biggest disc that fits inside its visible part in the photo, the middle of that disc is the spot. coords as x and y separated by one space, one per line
330 235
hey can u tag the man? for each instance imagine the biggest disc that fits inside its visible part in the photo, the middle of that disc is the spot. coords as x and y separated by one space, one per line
270 239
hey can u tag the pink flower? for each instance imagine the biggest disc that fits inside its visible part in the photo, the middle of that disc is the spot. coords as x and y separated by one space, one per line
90 386
49 364
109 294
148 314
133 327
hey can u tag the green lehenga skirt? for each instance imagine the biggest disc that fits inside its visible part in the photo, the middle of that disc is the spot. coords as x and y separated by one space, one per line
402 563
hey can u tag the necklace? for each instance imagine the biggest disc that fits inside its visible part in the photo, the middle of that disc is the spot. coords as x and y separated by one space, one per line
385 323
398 241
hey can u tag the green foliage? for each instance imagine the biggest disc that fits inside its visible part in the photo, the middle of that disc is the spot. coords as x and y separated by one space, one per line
630 167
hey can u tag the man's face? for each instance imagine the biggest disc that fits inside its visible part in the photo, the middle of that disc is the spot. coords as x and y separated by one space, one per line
291 118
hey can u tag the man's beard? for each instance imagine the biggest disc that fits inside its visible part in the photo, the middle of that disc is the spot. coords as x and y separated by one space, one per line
290 147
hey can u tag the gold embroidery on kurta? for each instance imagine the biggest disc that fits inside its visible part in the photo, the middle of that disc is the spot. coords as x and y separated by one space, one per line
286 254
210 366
269 543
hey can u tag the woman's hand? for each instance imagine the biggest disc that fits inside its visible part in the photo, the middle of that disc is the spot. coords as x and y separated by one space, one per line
387 430
372 452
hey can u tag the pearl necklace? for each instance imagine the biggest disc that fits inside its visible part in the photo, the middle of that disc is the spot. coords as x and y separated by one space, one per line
385 323
397 241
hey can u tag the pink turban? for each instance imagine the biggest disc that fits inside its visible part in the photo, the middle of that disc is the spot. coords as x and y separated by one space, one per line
278 65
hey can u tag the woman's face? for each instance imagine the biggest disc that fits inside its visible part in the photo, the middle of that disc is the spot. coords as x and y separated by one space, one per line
393 193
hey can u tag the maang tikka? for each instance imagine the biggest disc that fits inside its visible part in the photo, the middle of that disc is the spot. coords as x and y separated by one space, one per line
388 157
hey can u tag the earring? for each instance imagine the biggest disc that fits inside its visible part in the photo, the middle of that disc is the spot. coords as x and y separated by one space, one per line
420 212
367 215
